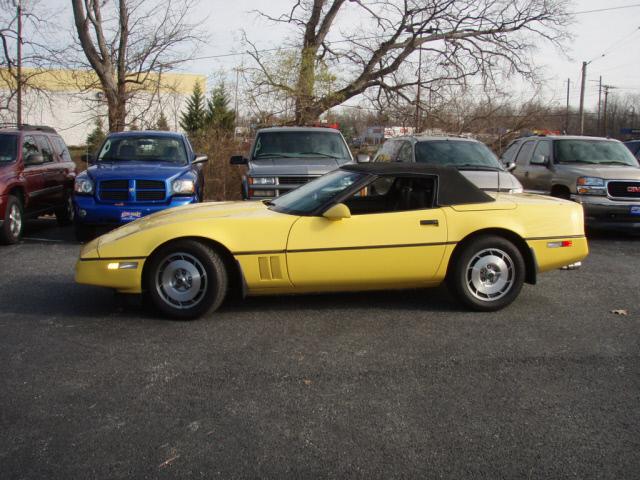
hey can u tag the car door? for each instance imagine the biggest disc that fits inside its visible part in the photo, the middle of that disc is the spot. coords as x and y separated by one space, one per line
33 176
387 246
539 172
53 173
521 171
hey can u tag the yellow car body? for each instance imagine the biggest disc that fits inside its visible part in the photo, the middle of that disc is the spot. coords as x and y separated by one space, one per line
277 253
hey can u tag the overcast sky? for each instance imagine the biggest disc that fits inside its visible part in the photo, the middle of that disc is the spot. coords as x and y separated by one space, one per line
614 33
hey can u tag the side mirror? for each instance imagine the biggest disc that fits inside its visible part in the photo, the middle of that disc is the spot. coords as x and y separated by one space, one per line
362 158
239 160
34 159
86 157
337 212
201 159
510 166
539 159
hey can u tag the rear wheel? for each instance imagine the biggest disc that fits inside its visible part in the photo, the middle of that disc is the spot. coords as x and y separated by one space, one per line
65 214
186 279
13 225
487 274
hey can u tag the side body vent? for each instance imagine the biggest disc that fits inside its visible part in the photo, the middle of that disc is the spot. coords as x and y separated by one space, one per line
270 268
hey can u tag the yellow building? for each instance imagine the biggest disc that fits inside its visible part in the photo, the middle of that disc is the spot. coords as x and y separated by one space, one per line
71 100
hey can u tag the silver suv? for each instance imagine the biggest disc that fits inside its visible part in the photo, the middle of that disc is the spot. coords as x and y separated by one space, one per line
472 158
599 173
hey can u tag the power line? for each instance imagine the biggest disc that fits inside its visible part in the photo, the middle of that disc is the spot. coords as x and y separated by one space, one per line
608 9
615 44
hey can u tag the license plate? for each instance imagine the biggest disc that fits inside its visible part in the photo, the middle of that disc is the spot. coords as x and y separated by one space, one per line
635 210
130 216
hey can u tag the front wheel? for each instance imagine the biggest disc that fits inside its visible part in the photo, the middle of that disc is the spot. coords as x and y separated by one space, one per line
186 279
487 274
65 214
11 230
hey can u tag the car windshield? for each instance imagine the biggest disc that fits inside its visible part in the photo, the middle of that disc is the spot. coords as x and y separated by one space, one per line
602 152
460 154
311 196
301 144
8 148
143 149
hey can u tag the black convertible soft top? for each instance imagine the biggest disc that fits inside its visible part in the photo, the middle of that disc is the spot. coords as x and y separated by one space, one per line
453 187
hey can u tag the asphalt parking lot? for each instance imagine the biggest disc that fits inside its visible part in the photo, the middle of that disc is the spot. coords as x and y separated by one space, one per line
370 385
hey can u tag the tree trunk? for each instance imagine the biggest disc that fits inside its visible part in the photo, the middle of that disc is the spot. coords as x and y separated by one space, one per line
304 88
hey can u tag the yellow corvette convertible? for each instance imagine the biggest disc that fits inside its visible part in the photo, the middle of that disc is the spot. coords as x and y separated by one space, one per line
361 227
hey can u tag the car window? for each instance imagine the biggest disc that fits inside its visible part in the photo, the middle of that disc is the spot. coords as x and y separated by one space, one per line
457 153
389 194
61 149
8 148
602 152
29 146
509 154
387 152
406 152
45 148
143 148
525 153
301 144
542 152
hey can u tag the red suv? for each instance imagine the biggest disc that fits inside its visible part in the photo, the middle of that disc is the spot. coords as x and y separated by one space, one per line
36 178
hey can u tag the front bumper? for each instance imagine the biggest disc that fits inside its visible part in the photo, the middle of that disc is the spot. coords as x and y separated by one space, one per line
90 212
101 273
3 208
603 213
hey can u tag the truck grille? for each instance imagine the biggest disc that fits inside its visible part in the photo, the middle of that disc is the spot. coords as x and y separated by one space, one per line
624 189
145 190
294 180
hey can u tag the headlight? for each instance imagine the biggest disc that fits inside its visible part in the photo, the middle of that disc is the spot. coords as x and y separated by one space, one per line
83 186
262 180
591 186
183 187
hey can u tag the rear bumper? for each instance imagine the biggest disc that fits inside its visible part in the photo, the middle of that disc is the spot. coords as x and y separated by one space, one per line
89 212
607 214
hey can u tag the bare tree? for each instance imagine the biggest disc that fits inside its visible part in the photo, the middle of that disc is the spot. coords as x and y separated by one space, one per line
24 20
130 44
453 39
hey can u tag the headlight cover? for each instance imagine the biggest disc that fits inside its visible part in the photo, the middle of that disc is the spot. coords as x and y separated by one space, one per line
183 187
262 180
83 186
591 186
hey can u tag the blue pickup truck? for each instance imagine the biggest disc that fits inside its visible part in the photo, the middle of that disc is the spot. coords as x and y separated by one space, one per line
135 174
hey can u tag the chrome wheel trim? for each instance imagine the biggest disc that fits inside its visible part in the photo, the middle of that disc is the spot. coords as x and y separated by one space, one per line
181 281
15 220
490 274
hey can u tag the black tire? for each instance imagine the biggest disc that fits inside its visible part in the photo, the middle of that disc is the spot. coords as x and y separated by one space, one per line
185 280
84 233
487 274
13 225
65 214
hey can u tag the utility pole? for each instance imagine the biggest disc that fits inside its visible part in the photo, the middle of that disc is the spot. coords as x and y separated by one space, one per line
584 78
566 117
599 102
19 69
606 96
418 93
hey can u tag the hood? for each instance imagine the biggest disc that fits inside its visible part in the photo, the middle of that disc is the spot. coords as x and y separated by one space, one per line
130 170
486 180
187 213
294 166
608 172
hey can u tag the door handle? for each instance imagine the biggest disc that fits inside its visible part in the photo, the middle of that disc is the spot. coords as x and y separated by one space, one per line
434 223
526 174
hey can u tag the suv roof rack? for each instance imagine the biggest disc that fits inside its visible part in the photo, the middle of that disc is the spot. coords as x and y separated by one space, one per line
26 126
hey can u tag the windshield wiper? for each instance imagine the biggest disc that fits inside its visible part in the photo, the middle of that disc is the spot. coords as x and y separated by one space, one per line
578 161
113 159
273 155
474 166
319 154
615 162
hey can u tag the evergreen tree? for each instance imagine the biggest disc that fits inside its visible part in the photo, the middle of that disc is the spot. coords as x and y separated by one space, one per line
219 116
162 123
96 137
193 119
